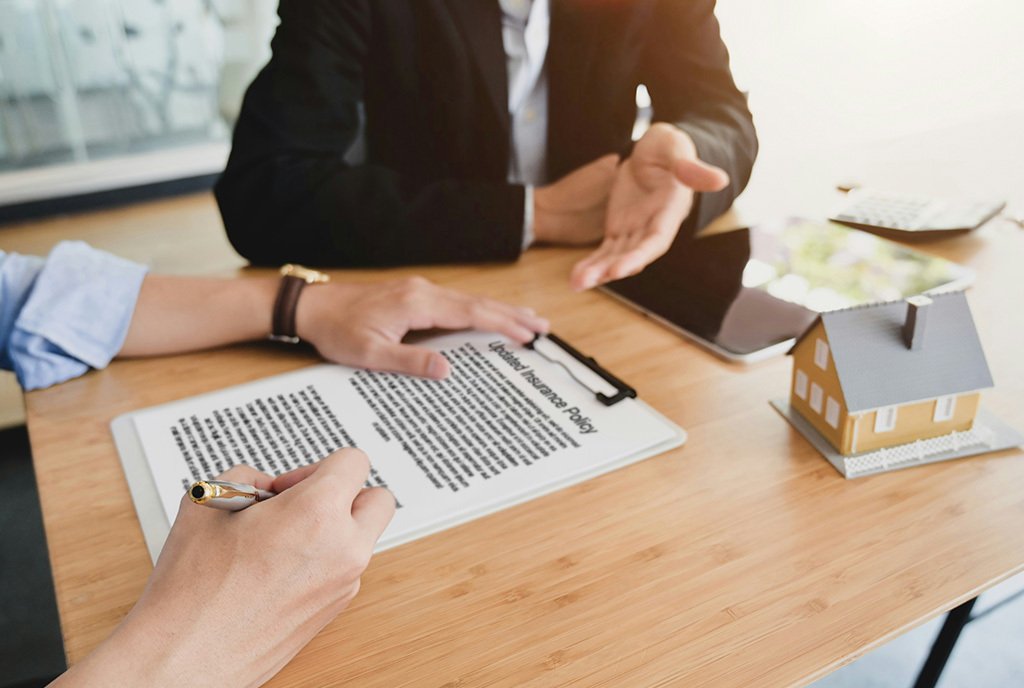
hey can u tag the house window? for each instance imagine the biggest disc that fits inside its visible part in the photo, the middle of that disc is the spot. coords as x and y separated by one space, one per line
945 407
885 419
816 397
821 354
801 384
832 412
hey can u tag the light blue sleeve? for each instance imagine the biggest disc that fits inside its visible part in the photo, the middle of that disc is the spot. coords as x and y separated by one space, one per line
17 276
67 314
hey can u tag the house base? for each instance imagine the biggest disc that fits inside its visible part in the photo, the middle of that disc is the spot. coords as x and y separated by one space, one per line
989 434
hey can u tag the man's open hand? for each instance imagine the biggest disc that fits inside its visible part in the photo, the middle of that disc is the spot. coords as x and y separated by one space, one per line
651 196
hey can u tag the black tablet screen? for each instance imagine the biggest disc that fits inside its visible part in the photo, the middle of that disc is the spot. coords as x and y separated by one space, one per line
750 289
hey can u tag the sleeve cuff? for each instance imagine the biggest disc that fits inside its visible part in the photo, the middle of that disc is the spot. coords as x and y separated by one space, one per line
77 316
18 275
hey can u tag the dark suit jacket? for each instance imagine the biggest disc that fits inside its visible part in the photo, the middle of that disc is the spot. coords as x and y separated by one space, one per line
430 77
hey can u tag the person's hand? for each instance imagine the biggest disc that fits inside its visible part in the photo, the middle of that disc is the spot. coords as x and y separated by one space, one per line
238 594
363 324
651 196
571 211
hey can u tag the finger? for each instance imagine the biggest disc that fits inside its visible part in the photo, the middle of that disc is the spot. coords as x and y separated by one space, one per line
579 277
494 316
293 477
537 324
584 276
526 317
248 476
634 261
455 310
373 508
581 266
700 176
460 311
590 276
343 473
608 247
587 274
654 243
407 359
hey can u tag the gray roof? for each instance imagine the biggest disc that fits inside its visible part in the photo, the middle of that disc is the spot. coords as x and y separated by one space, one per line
876 368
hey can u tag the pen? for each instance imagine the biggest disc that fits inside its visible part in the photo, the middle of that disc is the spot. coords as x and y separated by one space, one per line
227 496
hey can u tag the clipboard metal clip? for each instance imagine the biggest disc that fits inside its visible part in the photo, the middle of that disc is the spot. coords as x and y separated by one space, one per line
622 390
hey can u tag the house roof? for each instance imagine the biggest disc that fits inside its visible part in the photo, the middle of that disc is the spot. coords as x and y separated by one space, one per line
876 368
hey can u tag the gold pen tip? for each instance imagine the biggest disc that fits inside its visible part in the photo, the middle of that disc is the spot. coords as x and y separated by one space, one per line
200 492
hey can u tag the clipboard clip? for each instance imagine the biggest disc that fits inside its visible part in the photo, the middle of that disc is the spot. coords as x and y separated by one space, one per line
622 390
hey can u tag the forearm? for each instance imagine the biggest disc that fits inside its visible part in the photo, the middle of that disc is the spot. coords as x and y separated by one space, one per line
122 659
178 314
174 643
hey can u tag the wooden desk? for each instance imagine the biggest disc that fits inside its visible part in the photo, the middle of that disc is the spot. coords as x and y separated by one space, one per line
741 559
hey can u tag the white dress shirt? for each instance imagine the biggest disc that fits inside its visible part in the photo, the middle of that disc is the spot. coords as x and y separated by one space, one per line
525 32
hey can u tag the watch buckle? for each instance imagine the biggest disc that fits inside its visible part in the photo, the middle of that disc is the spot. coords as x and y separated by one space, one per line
307 275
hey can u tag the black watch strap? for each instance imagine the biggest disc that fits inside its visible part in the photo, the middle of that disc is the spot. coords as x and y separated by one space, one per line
285 306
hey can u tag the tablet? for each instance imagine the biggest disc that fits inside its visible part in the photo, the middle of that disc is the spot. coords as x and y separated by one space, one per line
746 295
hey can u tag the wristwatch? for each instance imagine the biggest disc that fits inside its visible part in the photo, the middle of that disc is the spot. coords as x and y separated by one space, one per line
294 279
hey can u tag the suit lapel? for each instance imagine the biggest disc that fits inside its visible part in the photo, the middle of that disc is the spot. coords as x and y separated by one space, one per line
480 24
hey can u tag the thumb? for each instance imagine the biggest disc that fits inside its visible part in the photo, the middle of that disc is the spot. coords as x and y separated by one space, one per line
409 360
700 176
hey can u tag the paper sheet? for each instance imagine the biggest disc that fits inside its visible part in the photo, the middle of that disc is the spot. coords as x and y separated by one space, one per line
509 424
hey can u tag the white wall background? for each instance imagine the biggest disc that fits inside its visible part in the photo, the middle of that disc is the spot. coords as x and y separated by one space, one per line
824 75
858 87
848 68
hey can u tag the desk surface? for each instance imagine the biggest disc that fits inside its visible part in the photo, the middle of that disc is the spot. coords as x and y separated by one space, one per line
740 559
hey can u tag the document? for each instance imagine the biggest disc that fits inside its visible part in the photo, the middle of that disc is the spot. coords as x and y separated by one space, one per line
509 424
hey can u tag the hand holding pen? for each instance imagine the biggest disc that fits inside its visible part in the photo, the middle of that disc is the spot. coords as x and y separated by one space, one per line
247 590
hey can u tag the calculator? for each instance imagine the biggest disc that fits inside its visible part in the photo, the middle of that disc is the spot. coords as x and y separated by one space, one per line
906 217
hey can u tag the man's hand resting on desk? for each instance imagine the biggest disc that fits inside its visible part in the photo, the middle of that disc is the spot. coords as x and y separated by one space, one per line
363 324
236 595
360 325
651 196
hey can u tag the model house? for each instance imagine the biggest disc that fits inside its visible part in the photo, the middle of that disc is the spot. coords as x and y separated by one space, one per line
887 374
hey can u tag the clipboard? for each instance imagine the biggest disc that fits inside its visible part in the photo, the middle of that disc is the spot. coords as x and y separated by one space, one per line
607 390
